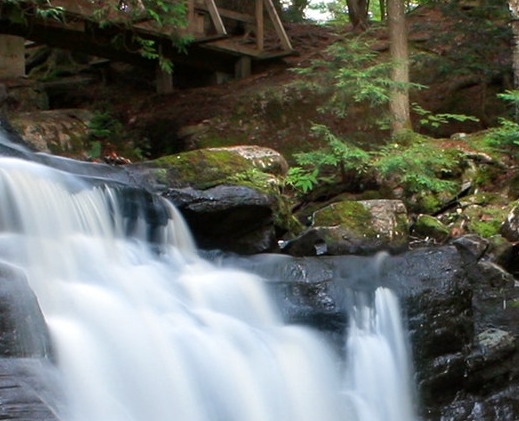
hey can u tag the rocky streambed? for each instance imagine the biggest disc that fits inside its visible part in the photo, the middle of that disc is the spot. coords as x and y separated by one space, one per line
459 296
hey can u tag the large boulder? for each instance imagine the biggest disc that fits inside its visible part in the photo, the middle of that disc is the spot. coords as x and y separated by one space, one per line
354 227
205 168
232 218
228 196
60 132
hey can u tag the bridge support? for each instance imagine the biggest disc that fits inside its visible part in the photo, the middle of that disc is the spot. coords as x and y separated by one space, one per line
242 68
12 56
163 82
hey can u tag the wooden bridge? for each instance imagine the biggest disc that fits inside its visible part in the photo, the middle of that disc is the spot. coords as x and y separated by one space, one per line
224 41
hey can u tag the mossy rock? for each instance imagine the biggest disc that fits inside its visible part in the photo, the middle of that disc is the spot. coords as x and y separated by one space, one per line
355 227
199 169
59 132
427 226
205 168
247 166
484 221
350 215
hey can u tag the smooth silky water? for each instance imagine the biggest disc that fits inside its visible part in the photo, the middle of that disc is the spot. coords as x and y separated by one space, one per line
145 330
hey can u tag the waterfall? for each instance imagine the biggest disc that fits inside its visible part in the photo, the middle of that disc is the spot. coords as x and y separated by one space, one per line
143 329
378 386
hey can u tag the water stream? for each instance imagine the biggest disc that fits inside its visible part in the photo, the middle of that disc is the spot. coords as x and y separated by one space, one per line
145 330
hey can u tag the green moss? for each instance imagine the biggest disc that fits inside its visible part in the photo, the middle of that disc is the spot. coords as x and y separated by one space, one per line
200 168
482 199
485 221
424 203
350 215
429 226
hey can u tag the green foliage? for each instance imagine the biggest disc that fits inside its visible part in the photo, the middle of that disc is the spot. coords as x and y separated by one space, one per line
96 149
104 126
415 164
337 157
417 167
353 74
511 96
338 152
470 54
353 77
427 118
51 13
293 11
302 180
506 134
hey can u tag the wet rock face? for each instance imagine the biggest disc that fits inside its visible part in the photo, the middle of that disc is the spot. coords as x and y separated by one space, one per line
459 309
23 331
437 299
234 218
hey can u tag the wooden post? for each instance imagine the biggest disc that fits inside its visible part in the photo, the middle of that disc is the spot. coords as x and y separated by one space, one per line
163 79
243 67
260 28
12 56
215 16
285 41
164 82
191 15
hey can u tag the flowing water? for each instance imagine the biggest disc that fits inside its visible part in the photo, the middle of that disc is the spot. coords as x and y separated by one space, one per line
145 330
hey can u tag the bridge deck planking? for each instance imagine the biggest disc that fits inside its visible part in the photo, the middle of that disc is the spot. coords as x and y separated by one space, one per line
212 47
80 12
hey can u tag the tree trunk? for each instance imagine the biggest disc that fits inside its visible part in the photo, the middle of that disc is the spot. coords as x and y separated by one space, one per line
513 5
399 100
358 14
382 8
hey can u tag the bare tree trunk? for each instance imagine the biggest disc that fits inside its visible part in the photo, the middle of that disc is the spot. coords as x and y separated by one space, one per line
399 101
382 7
513 5
358 14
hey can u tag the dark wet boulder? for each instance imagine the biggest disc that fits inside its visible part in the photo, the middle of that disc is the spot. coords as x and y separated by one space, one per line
437 299
459 309
230 197
23 330
231 218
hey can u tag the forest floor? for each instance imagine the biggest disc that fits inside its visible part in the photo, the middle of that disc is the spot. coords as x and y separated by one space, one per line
130 95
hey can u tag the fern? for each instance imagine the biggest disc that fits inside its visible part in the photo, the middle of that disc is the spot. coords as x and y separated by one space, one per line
302 180
428 118
418 167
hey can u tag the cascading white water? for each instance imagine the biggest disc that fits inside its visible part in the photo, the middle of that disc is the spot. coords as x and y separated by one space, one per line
378 379
147 334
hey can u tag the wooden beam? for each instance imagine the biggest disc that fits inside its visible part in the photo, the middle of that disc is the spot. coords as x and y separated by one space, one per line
231 14
215 16
285 41
260 25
